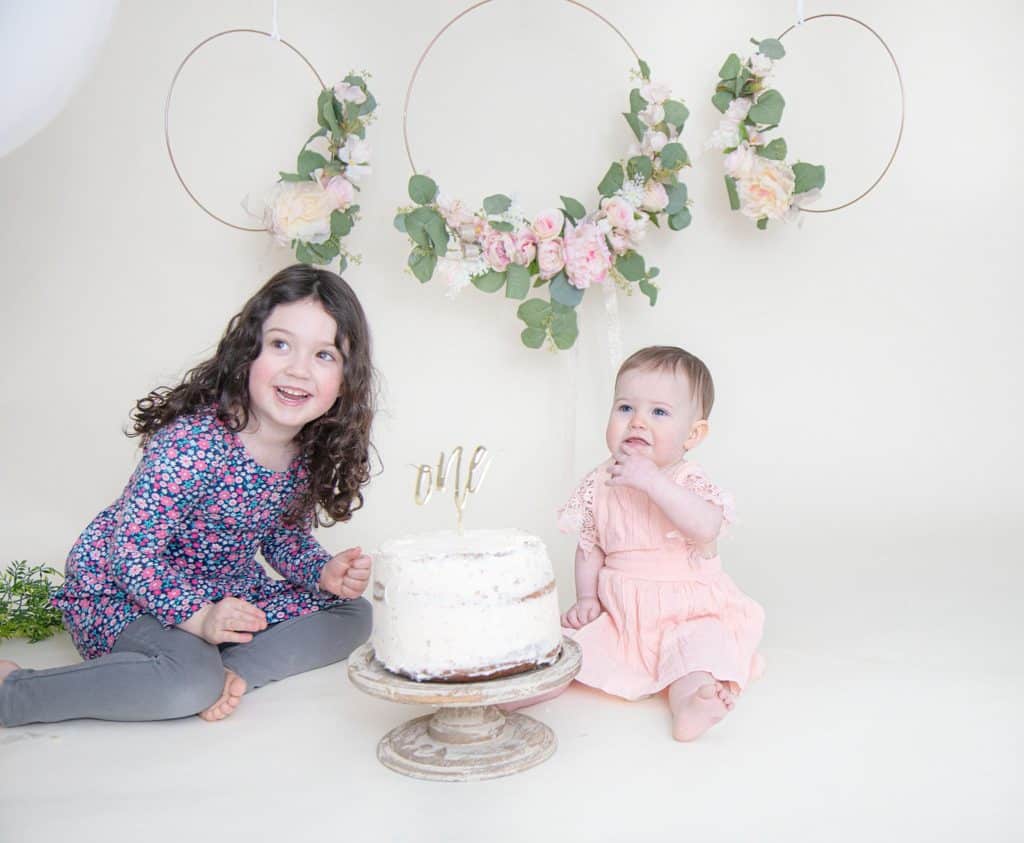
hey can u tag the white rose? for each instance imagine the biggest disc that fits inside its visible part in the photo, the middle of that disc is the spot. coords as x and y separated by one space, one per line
760 65
356 155
655 92
768 191
740 162
738 109
349 93
301 210
654 142
655 197
653 114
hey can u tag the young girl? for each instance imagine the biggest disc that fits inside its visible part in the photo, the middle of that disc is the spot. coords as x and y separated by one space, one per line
654 609
163 596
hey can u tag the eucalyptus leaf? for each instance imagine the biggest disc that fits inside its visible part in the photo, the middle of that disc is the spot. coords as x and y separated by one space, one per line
437 231
533 337
535 312
768 108
416 225
641 165
676 113
325 115
677 195
673 156
808 177
762 223
399 222
368 105
422 265
563 292
518 282
490 281
734 196
309 161
292 177
612 180
635 125
721 100
422 189
776 150
304 254
564 327
636 102
341 223
645 71
679 220
631 266
649 290
731 68
497 204
573 207
500 225
772 48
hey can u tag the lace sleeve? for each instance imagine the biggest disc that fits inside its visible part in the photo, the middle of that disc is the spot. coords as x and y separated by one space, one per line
696 481
578 514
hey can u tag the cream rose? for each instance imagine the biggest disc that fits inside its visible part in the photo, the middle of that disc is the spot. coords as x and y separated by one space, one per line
656 92
341 191
740 162
548 224
618 212
760 65
301 210
525 247
653 114
768 192
655 197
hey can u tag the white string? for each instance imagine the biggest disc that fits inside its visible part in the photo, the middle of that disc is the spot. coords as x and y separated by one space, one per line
799 12
611 306
275 33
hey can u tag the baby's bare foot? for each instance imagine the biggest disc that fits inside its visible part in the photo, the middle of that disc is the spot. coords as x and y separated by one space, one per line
7 667
694 713
231 696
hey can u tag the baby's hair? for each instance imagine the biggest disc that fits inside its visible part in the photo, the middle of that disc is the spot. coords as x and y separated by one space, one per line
335 446
660 357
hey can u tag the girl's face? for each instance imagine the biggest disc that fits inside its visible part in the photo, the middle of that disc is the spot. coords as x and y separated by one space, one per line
653 414
298 373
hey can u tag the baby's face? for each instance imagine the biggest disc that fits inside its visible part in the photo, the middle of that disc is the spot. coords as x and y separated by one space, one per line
653 414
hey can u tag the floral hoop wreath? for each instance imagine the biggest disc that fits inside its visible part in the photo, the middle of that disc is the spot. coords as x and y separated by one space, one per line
312 209
566 249
760 183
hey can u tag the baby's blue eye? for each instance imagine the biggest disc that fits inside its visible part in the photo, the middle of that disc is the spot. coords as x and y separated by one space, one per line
326 355
624 408
278 344
658 411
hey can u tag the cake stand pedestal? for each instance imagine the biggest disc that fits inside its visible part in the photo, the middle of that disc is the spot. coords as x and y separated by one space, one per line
469 737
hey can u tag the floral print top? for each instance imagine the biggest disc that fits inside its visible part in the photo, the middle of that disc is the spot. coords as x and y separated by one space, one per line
185 532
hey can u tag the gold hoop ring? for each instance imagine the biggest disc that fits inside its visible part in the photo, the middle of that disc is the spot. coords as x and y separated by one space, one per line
167 111
903 108
462 14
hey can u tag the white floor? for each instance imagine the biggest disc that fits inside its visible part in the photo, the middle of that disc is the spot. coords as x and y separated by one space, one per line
910 731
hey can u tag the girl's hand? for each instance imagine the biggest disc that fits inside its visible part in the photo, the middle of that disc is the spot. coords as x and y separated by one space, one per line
585 610
347 574
630 469
228 621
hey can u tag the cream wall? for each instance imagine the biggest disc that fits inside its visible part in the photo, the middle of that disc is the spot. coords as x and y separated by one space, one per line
866 362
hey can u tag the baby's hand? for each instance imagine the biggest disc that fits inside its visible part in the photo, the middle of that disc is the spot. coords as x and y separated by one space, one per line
631 469
585 610
347 574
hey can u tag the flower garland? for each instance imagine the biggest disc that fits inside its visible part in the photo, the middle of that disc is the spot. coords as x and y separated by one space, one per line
761 185
566 249
313 208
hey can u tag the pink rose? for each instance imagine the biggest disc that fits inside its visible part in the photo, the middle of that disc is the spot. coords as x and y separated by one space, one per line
525 247
548 224
499 248
619 242
341 191
618 212
587 259
655 197
550 257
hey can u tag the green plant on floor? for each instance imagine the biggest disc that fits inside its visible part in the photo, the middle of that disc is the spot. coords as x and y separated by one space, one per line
25 609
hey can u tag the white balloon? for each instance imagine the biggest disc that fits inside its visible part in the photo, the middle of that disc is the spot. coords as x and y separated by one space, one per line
47 48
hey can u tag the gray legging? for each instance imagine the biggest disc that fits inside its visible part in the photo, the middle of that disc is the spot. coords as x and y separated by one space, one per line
156 673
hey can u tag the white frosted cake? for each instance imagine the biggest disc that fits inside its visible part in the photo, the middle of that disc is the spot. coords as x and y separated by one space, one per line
460 608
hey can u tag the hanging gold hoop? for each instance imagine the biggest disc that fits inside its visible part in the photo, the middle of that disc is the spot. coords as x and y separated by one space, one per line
167 111
903 108
462 14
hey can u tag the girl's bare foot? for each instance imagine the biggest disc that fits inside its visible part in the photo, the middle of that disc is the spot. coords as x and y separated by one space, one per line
698 707
234 688
7 667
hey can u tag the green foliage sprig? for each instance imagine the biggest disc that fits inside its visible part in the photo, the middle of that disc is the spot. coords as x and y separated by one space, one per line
25 608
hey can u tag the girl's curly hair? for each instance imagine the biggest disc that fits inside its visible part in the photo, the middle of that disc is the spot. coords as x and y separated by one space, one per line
336 446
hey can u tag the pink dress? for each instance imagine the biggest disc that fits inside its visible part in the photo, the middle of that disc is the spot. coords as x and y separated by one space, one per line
668 610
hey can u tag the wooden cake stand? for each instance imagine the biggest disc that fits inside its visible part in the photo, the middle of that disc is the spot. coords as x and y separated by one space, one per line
469 737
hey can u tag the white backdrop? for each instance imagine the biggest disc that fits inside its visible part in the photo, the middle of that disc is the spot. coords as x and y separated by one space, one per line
867 363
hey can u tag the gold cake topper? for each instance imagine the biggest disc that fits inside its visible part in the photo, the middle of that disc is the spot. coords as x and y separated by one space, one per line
478 462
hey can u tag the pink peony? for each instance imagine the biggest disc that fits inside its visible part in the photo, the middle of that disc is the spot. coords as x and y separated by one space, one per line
525 247
550 257
341 191
499 247
587 258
